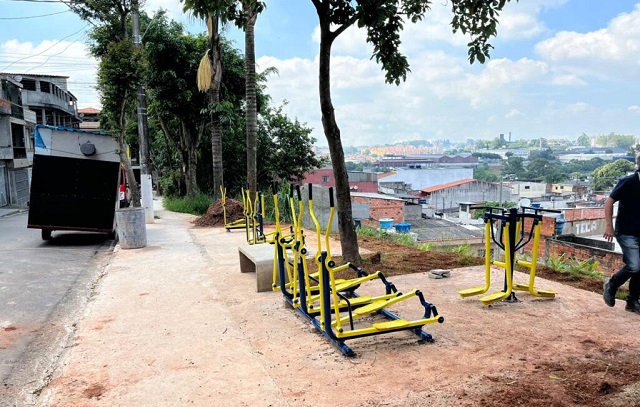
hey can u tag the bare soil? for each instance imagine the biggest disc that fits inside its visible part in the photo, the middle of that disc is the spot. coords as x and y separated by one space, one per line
558 362
208 339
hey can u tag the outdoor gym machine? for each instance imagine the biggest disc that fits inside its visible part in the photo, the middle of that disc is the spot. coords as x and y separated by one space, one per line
331 304
509 235
236 224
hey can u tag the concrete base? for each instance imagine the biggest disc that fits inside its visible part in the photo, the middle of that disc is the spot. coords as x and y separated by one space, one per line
258 258
132 229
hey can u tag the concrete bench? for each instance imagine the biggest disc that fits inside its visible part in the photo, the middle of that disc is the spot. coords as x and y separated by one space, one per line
258 258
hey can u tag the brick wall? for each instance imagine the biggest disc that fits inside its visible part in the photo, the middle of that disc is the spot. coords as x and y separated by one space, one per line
574 214
382 208
610 261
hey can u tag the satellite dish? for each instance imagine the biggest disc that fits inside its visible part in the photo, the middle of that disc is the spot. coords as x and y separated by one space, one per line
524 202
18 78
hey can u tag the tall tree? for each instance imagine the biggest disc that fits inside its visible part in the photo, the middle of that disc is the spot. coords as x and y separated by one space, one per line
214 12
605 177
384 20
176 105
116 72
246 20
119 75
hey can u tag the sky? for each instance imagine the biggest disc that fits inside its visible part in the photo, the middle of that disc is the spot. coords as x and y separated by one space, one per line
559 68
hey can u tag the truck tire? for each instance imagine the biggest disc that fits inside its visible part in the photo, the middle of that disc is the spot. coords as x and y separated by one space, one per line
46 234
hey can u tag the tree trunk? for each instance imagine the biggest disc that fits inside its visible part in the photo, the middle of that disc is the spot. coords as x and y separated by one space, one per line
131 179
251 112
190 162
348 236
214 98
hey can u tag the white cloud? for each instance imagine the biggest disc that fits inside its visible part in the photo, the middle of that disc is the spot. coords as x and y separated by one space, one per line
609 53
513 113
568 80
517 25
63 58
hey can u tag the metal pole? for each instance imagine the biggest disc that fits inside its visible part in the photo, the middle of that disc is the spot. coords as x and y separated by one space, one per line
145 174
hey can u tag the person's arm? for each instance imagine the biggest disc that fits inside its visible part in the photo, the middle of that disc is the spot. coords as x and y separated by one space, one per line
608 218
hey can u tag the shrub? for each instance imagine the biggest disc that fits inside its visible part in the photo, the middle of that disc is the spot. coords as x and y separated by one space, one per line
195 205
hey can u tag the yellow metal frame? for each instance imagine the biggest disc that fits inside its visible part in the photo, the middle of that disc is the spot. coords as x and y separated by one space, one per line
531 265
377 303
236 224
506 265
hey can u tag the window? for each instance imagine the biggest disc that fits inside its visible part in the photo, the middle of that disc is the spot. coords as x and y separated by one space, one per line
45 87
17 136
527 187
29 84
325 178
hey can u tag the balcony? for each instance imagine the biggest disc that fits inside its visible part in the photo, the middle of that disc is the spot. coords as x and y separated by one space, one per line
35 100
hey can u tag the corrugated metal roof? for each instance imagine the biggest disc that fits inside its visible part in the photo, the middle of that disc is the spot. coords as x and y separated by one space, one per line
375 196
449 185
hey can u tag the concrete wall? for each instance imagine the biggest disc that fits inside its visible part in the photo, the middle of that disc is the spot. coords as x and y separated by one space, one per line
521 190
476 191
320 208
412 212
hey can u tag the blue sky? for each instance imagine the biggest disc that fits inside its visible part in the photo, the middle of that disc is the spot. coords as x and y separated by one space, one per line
560 68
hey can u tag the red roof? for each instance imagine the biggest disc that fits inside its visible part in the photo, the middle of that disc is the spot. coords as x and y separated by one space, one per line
449 185
89 110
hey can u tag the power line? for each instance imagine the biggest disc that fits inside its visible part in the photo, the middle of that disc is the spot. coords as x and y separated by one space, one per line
38 1
42 52
27 17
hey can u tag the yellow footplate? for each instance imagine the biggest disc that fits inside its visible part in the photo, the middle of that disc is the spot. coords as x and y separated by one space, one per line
469 292
494 297
520 287
396 323
368 309
543 293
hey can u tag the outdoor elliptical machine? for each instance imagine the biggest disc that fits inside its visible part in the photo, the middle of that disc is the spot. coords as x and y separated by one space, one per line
510 238
236 224
331 304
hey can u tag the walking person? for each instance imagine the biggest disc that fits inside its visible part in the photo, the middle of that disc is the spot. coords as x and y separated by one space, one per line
627 234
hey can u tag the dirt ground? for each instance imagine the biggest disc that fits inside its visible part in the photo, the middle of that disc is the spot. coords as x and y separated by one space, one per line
568 351
177 324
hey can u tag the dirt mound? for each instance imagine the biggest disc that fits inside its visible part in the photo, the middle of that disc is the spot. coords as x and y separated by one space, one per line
215 213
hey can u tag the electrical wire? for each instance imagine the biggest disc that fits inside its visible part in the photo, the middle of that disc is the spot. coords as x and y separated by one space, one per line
43 51
27 17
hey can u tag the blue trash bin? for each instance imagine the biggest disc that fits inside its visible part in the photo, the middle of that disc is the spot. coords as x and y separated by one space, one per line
386 223
403 227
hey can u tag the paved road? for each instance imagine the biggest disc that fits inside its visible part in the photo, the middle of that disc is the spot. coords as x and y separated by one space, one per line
43 287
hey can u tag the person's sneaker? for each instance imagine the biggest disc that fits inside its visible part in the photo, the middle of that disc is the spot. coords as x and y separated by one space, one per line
608 294
633 306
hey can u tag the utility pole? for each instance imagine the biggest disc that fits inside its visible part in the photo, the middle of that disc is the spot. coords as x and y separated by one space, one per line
145 174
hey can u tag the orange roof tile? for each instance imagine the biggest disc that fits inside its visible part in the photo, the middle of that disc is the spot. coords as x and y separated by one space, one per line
89 110
449 185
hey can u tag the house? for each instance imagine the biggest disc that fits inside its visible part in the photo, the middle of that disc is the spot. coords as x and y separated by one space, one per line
16 145
47 95
527 189
446 197
426 160
27 100
405 181
90 118
358 181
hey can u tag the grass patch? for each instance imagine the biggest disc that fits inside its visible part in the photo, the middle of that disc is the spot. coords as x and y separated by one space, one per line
195 205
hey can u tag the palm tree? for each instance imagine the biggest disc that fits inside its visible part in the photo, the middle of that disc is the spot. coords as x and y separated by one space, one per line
250 11
210 74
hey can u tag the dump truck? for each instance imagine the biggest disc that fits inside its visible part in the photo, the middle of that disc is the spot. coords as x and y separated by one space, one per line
76 180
